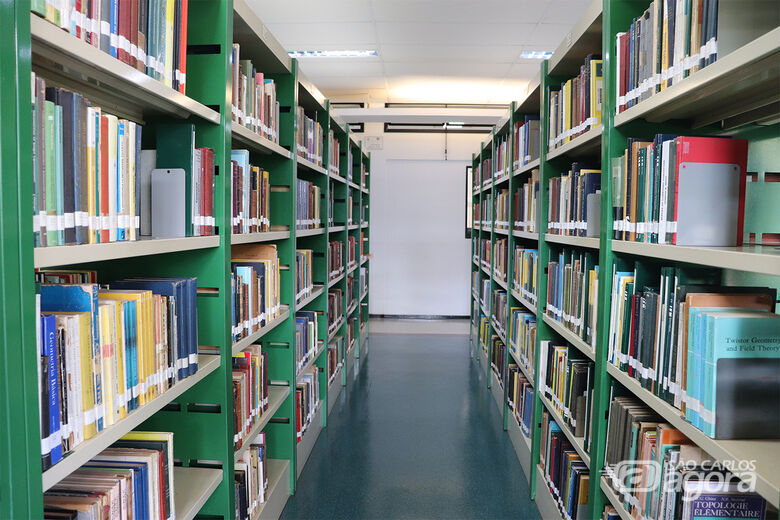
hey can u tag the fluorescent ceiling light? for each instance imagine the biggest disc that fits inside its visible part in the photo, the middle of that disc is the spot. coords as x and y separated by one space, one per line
535 55
456 123
334 54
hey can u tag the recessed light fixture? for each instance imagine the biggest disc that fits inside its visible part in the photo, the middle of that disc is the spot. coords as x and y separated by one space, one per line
535 55
334 54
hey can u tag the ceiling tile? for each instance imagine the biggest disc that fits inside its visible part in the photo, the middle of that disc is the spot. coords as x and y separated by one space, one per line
306 11
449 53
422 33
472 70
459 11
315 68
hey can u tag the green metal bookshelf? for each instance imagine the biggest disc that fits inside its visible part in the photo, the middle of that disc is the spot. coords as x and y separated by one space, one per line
203 403
733 96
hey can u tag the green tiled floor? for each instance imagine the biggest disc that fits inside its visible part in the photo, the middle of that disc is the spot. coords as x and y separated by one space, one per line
415 435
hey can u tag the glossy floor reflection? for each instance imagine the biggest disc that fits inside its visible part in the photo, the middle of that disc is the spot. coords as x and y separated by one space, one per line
414 435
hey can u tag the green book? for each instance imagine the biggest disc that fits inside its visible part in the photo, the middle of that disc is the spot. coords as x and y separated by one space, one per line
51 174
176 149
59 167
38 7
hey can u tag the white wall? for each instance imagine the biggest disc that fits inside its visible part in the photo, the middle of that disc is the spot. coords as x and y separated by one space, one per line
420 263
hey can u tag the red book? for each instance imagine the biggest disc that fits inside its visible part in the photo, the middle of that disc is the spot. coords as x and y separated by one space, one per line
103 180
623 72
133 33
709 191
94 18
123 22
183 47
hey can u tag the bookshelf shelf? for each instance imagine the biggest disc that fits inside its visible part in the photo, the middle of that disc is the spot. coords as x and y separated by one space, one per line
243 343
614 499
316 291
352 307
364 260
335 329
306 164
79 254
496 390
548 506
756 259
252 34
353 185
276 397
352 227
352 267
110 434
301 233
584 38
278 490
569 336
577 442
592 243
252 238
364 225
498 181
106 80
256 142
501 283
333 281
363 296
486 270
501 231
334 389
364 190
309 438
526 167
521 444
765 453
337 178
498 330
336 229
585 145
526 303
744 80
192 487
528 235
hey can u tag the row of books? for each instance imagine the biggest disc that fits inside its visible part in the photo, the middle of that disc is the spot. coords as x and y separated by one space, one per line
527 136
572 202
93 183
526 204
664 190
335 258
351 251
352 332
254 104
498 358
657 472
106 352
501 205
255 285
352 291
520 397
251 478
500 256
698 345
307 213
334 359
131 479
669 41
351 201
307 400
575 107
526 262
572 292
250 391
250 195
363 282
335 307
566 380
334 156
485 293
309 139
499 309
485 252
502 161
565 473
484 332
486 171
522 337
149 35
306 338
304 281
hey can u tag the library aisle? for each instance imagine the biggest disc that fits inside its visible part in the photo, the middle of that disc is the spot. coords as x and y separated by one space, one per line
415 437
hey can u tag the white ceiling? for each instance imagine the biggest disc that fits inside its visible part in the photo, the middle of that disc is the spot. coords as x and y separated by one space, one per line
429 50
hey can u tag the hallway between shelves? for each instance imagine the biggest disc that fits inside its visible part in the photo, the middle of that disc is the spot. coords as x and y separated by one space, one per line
415 435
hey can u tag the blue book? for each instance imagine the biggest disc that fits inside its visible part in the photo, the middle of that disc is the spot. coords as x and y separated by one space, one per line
528 405
114 21
131 353
53 442
80 298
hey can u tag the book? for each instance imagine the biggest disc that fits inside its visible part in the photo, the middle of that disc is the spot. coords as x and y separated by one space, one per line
500 258
501 163
568 200
335 258
526 140
499 309
309 137
250 376
575 107
526 204
309 205
334 157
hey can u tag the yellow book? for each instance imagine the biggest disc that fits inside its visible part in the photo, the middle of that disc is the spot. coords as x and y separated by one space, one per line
113 154
107 320
121 352
169 12
596 89
567 110
151 351
93 119
664 43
